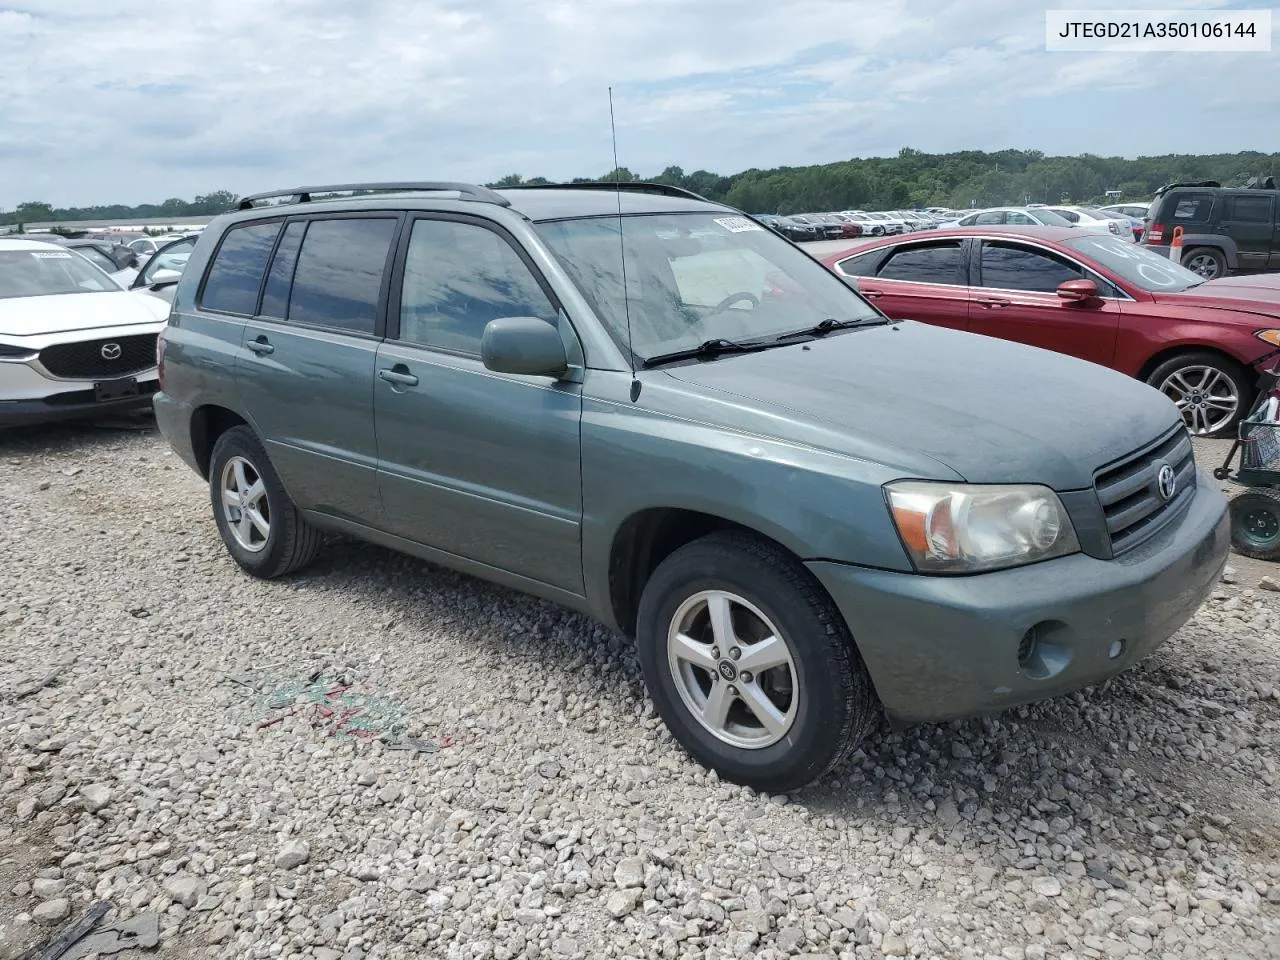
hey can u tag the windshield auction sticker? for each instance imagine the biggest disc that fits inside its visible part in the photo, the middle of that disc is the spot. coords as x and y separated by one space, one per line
737 224
50 255
1144 31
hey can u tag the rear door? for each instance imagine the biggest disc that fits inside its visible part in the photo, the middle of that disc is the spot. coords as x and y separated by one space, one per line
1014 297
306 368
924 281
482 465
1249 220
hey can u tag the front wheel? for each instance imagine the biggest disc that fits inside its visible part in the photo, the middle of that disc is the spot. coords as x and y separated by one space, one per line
749 663
1255 523
1211 391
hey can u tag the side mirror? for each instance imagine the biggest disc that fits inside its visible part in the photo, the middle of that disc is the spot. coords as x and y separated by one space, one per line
523 345
163 278
1078 291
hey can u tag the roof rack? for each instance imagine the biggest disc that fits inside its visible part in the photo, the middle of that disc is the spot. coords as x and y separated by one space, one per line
626 186
465 191
1187 183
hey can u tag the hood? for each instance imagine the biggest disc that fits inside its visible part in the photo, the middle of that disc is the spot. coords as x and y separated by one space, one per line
991 410
32 316
1253 294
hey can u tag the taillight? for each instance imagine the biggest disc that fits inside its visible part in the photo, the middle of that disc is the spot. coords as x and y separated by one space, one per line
1155 233
160 359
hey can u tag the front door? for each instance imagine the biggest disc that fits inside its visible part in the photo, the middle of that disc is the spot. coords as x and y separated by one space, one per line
1014 297
922 281
482 465
306 370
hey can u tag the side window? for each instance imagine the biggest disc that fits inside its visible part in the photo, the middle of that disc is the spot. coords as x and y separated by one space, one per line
862 265
1070 215
339 273
935 263
458 277
1193 206
232 283
1019 219
275 296
1249 209
1008 266
985 219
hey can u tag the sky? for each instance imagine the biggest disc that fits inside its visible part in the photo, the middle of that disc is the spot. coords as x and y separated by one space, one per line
107 104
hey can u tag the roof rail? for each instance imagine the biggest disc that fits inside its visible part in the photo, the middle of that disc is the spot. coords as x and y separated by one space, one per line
465 191
626 186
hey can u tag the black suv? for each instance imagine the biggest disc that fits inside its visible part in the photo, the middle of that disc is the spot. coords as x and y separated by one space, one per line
1224 229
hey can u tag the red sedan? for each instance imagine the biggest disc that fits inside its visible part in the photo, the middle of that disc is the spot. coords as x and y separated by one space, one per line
1202 343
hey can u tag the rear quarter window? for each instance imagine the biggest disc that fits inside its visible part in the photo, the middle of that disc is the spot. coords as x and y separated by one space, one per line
235 276
1191 206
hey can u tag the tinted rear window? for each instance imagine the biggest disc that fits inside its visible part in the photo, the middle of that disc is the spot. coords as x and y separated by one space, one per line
1191 206
339 273
1249 209
938 263
275 297
236 274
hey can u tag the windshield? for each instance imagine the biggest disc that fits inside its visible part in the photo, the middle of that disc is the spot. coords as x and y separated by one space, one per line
42 273
697 277
1144 269
1049 218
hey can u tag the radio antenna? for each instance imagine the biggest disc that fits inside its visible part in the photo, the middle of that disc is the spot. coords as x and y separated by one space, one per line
622 249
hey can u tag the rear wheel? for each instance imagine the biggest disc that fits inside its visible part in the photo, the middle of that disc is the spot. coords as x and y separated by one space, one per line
261 528
1255 523
1211 391
1208 262
750 664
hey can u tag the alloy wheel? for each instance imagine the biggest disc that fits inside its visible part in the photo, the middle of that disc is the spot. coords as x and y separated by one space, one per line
733 669
245 505
1207 397
1203 264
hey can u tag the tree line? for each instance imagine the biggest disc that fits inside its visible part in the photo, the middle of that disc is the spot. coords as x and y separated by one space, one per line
911 179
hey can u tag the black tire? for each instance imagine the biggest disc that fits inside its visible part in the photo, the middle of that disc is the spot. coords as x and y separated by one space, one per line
1206 259
836 705
1255 523
291 543
1194 360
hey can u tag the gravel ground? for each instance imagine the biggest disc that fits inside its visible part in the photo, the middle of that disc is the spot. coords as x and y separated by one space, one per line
556 818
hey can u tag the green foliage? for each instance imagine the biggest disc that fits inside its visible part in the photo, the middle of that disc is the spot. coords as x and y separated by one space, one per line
911 179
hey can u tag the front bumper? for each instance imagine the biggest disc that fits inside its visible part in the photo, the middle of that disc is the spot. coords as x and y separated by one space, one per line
940 648
72 405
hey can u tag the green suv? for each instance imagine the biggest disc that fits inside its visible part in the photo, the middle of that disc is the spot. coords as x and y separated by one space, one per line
1224 229
649 408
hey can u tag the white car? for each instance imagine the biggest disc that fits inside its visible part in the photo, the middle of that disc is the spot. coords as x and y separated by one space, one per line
72 342
1092 220
891 223
1138 211
871 227
1014 217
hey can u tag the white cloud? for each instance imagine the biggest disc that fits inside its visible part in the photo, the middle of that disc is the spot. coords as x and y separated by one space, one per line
96 107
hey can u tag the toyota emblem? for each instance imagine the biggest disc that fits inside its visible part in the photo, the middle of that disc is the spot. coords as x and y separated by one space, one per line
1166 482
111 351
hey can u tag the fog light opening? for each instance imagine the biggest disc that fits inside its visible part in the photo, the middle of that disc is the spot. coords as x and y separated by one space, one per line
1045 650
1027 648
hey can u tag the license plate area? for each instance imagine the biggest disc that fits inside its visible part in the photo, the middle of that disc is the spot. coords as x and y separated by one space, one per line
115 389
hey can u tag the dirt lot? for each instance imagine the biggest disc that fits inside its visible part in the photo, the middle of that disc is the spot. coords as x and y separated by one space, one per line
208 750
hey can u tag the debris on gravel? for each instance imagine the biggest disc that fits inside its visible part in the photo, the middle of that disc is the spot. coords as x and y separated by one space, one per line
556 818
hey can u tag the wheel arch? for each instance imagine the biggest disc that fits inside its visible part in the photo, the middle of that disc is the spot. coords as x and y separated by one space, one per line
1172 351
208 423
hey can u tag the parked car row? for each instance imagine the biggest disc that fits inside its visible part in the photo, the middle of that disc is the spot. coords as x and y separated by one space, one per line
847 224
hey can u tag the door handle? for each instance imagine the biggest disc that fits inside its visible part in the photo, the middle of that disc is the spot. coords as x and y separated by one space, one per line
398 376
990 302
260 346
872 294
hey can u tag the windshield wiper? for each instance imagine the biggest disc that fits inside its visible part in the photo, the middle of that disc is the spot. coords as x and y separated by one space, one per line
706 350
824 327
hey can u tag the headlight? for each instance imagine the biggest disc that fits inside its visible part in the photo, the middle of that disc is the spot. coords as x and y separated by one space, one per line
1270 336
16 354
967 528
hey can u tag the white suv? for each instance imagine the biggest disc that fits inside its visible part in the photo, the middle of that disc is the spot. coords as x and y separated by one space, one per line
72 342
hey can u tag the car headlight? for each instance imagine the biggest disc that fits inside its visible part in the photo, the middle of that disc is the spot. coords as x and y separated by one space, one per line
968 528
1268 336
16 354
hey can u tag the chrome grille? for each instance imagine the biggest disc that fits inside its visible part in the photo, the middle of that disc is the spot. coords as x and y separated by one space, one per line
1130 494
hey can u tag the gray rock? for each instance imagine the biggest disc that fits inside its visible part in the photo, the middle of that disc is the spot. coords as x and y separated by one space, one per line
622 902
892 945
1047 886
184 889
52 911
95 796
629 873
789 938
48 889
293 853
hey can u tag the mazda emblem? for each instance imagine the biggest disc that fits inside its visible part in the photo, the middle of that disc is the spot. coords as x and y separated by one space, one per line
1166 482
111 351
